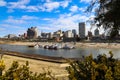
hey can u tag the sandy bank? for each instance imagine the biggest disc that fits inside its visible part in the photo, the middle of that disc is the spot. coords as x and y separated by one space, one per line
99 45
77 45
57 69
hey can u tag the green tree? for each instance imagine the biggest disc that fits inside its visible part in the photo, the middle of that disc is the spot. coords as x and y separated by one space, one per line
100 68
107 14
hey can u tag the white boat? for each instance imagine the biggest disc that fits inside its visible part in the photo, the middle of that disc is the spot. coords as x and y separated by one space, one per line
46 46
36 46
59 46
68 47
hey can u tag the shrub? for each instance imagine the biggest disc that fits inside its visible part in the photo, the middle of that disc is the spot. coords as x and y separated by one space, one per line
21 72
100 68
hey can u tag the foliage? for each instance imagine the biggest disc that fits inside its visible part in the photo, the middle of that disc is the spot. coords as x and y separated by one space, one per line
21 72
2 66
100 68
107 14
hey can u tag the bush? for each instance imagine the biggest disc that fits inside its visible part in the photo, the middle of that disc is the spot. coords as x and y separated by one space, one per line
21 72
100 68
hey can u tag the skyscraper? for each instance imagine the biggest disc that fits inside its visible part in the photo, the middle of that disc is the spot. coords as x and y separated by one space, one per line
82 30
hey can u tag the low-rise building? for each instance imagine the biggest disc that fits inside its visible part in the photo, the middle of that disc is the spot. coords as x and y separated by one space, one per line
58 34
68 34
10 36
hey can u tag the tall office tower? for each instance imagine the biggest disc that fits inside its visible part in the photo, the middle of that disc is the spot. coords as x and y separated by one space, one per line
82 30
96 32
74 33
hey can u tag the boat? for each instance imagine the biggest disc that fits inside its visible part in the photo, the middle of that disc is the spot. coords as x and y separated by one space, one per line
36 46
33 46
40 46
46 46
58 46
30 45
68 47
52 47
55 47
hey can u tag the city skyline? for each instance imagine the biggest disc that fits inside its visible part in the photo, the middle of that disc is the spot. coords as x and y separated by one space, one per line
46 15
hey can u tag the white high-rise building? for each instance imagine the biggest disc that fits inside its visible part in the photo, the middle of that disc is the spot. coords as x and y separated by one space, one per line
82 30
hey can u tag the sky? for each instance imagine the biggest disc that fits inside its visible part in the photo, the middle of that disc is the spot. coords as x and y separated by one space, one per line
16 16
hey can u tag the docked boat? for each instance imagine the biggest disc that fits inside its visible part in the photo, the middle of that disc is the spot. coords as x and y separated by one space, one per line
52 47
58 46
68 47
30 45
33 46
46 46
36 46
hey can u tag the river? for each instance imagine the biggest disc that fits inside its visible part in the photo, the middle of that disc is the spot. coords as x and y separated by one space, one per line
73 53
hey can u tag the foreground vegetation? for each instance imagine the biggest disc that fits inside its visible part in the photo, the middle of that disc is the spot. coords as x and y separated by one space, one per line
100 68
21 72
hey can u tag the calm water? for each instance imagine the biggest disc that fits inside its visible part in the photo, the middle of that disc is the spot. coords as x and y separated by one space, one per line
74 53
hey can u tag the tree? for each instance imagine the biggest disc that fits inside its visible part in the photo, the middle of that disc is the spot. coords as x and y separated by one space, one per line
100 68
107 14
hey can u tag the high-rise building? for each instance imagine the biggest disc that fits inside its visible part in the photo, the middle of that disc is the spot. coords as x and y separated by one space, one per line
32 32
74 33
96 32
82 30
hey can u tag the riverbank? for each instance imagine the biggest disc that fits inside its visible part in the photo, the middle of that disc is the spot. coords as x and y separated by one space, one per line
77 44
39 66
99 45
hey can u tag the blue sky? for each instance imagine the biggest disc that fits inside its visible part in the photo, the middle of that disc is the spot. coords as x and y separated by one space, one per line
47 15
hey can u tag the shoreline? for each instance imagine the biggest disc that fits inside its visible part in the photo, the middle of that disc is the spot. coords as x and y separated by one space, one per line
77 45
36 57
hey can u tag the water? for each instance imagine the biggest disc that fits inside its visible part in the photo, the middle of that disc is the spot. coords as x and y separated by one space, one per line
74 53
